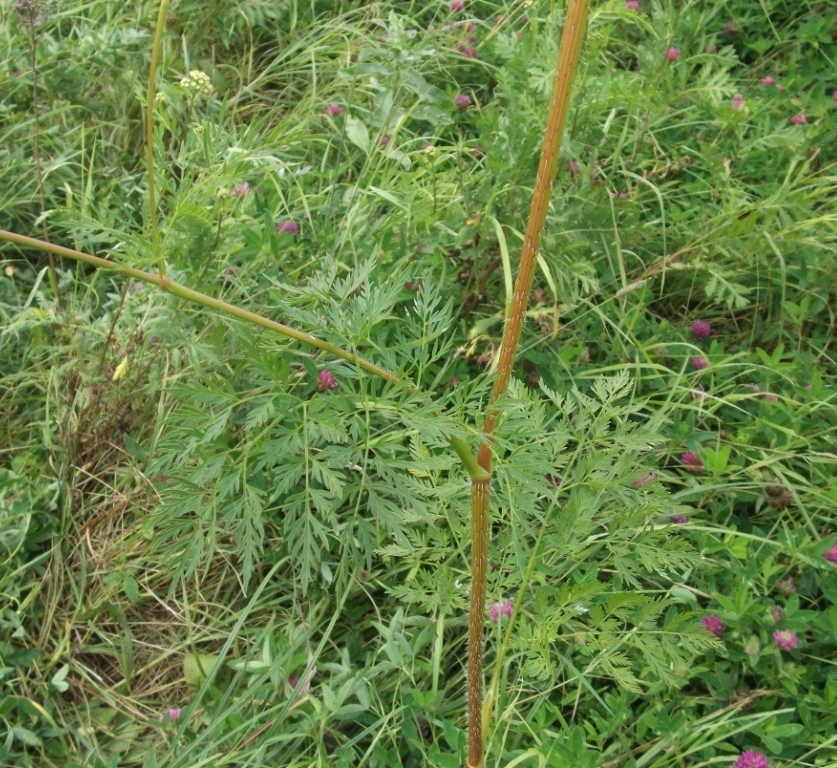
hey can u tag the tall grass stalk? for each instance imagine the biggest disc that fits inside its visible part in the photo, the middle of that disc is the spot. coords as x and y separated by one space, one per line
568 55
149 136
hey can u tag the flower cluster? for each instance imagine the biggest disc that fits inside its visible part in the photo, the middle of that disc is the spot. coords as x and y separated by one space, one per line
198 81
692 461
462 100
291 227
701 330
499 609
170 715
714 625
751 759
785 640
326 380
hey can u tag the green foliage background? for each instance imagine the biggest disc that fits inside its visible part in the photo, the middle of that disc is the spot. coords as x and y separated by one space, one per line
288 566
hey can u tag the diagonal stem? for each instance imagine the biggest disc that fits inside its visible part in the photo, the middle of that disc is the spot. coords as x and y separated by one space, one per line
459 445
568 56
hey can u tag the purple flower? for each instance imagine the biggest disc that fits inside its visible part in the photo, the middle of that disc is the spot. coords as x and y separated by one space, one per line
692 461
751 759
326 380
645 479
698 393
678 519
287 226
632 5
170 715
470 52
767 80
737 101
753 647
831 554
701 330
334 109
730 30
699 363
242 189
714 625
457 5
786 586
462 100
798 120
499 609
384 141
834 95
777 613
784 640
672 54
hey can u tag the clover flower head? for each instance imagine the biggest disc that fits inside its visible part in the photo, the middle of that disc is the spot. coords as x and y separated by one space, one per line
499 609
714 625
170 715
699 363
334 109
326 380
469 52
701 330
692 461
456 6
834 95
777 613
831 554
290 227
197 81
672 54
753 646
751 759
632 5
798 120
462 100
737 101
767 80
785 640
241 189
678 519
786 586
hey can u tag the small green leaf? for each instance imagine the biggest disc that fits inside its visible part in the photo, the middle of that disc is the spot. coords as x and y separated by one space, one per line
131 588
197 667
357 133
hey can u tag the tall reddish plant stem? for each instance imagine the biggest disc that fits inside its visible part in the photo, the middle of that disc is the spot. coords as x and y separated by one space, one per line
568 56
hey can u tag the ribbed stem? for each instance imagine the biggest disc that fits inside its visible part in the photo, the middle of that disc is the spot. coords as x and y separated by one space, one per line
568 55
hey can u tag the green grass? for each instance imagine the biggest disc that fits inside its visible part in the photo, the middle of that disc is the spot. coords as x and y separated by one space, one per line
210 510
